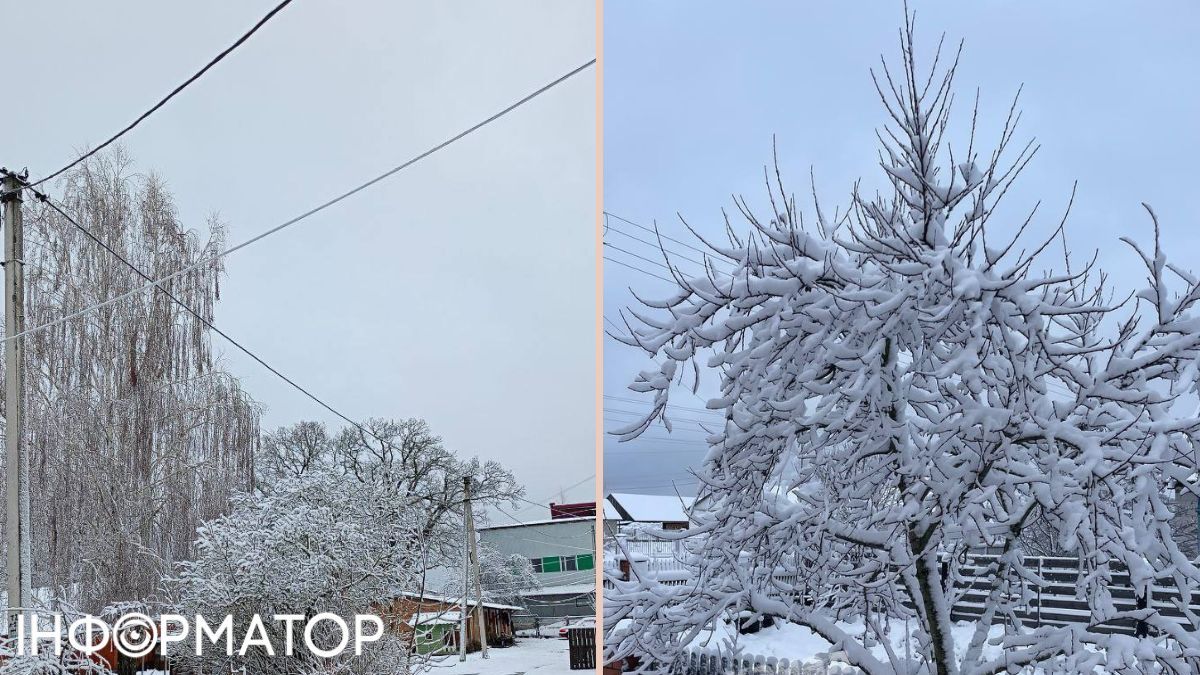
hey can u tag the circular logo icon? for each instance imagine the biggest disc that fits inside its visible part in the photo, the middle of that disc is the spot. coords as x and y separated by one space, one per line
133 635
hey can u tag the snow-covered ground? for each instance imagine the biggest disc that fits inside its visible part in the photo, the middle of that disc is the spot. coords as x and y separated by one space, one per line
799 644
530 656
550 630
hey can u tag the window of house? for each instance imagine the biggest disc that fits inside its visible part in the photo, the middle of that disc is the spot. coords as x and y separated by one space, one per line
537 564
584 562
569 563
552 564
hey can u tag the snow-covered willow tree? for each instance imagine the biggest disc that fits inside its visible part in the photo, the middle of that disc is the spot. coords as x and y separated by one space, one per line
904 383
136 435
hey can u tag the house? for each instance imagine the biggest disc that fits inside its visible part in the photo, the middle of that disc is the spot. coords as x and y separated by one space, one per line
563 553
612 520
436 632
669 512
434 619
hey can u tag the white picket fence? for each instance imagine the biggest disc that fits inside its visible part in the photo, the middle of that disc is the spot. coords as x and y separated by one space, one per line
658 559
712 662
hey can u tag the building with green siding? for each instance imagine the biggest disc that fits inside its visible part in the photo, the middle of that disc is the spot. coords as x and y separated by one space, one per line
563 553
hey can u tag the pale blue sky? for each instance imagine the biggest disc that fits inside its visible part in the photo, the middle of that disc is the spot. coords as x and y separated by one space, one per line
695 90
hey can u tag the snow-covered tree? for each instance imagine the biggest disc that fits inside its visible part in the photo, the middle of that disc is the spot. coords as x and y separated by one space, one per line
136 433
505 577
316 543
903 384
405 453
292 451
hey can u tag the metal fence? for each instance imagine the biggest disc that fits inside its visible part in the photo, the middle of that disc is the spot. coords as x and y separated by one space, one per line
1053 604
1056 602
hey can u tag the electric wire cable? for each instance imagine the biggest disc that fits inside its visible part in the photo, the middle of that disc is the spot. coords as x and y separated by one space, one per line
638 269
656 233
310 212
200 73
46 200
676 406
541 505
639 257
152 283
541 541
672 252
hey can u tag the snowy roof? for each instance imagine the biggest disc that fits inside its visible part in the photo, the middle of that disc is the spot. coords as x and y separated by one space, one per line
609 512
434 618
454 601
566 589
548 521
651 508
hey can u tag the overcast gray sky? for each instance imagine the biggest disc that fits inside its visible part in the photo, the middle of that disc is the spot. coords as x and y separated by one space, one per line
460 290
695 90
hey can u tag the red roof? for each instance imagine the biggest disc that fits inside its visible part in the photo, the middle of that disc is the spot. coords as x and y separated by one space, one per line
576 510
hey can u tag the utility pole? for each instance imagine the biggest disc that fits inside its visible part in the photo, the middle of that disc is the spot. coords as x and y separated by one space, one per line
462 611
480 619
16 461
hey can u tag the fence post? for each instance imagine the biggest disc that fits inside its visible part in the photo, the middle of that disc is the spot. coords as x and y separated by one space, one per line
1141 629
1039 596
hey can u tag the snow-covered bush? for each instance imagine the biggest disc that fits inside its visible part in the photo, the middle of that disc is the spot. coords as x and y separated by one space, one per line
316 543
46 662
902 384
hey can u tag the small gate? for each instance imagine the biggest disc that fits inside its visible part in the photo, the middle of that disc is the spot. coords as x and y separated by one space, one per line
582 643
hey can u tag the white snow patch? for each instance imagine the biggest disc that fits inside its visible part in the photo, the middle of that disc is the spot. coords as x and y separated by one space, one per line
531 656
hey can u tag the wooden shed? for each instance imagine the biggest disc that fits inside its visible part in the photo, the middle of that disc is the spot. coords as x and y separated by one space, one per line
435 620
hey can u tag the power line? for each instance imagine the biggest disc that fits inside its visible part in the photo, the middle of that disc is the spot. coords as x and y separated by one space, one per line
685 480
626 399
664 249
692 453
697 443
639 257
638 269
46 200
217 59
671 416
540 505
679 256
540 541
706 427
657 233
310 212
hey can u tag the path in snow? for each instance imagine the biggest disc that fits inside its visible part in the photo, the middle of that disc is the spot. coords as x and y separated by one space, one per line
530 656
